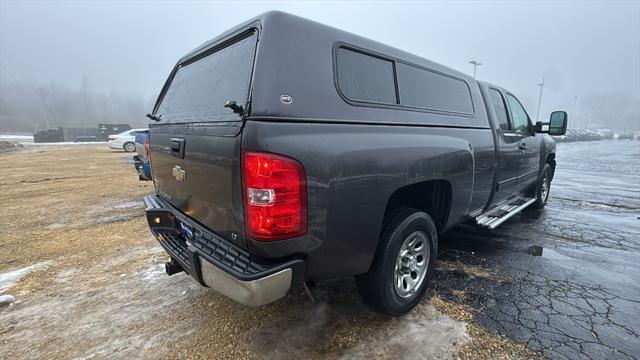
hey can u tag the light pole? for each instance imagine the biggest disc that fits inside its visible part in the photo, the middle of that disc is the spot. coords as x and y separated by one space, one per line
44 108
540 99
475 65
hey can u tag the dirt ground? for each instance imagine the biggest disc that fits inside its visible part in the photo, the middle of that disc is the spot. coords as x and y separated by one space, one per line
88 282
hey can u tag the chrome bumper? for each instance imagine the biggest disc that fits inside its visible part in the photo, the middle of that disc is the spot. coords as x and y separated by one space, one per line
251 293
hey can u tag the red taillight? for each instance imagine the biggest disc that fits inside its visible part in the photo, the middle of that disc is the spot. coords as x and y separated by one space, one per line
112 137
275 196
147 149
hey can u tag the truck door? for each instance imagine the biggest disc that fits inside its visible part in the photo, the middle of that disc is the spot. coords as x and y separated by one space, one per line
528 145
508 152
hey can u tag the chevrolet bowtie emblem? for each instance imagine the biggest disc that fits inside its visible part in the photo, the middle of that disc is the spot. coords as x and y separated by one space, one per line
178 173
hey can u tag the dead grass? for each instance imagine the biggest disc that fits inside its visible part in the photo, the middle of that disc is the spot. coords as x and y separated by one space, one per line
61 202
475 271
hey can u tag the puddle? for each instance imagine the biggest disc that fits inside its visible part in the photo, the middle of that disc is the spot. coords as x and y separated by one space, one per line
8 279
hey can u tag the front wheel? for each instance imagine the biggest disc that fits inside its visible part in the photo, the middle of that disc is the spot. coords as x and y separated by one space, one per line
404 262
542 188
129 146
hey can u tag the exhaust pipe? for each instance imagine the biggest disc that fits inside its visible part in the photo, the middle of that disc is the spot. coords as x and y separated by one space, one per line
172 267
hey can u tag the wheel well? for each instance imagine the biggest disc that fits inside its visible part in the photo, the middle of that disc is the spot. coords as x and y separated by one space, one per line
551 160
432 197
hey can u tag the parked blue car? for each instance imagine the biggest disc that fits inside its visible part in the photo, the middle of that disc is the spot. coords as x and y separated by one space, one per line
141 159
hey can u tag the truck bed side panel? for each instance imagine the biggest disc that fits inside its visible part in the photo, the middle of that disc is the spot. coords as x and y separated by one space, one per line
352 171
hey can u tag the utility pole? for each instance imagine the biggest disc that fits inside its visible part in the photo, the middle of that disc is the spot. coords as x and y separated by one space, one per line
475 65
540 99
44 108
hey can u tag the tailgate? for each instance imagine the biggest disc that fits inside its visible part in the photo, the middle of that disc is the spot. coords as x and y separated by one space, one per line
195 147
205 184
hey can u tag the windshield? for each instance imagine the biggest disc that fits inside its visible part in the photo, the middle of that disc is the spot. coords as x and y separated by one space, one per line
200 89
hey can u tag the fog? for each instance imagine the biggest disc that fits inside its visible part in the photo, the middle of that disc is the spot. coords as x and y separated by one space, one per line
79 63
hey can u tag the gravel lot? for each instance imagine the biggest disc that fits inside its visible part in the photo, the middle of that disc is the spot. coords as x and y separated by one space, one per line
88 278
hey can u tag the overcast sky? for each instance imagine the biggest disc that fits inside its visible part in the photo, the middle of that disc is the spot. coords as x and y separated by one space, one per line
581 48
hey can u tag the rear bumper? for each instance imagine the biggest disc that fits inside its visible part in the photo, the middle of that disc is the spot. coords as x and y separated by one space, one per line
217 263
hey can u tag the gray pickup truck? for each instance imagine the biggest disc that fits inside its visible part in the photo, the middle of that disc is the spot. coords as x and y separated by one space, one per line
285 151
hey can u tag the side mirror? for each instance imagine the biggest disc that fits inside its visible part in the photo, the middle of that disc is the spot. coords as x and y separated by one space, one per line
556 126
558 123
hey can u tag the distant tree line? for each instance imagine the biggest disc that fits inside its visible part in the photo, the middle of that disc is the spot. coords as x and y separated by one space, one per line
27 107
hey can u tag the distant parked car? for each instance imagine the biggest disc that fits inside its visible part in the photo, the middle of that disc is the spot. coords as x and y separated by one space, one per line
605 133
49 135
581 134
125 140
626 136
592 135
141 159
85 139
571 135
104 130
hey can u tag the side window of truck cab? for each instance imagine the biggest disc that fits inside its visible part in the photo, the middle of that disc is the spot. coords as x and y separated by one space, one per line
501 110
519 117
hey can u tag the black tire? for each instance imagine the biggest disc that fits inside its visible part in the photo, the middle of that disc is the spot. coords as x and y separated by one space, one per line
129 146
377 286
541 195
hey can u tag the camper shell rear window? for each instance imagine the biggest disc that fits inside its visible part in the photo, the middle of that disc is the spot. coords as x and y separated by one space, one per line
200 87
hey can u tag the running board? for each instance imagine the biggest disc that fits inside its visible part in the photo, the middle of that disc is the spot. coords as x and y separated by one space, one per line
502 213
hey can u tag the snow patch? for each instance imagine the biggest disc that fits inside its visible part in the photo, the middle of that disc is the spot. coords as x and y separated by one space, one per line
6 300
8 279
106 315
16 137
129 204
153 273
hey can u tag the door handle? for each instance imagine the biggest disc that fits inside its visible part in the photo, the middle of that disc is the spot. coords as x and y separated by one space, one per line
177 147
522 146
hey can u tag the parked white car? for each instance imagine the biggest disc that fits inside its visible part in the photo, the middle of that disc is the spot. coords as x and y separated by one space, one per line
126 140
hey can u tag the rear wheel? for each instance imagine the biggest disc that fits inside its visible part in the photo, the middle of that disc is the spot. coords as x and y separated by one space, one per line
542 188
129 146
404 262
